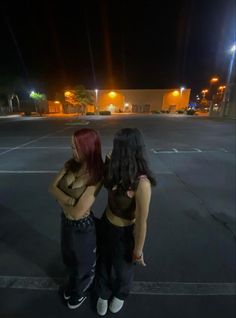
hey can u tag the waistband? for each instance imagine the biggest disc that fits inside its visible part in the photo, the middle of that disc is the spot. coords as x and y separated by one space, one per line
84 221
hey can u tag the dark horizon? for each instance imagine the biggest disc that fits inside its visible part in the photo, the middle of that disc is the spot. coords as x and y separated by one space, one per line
117 45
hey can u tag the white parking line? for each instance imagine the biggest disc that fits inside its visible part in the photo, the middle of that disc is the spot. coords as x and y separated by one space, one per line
32 141
27 171
138 287
56 171
51 147
191 150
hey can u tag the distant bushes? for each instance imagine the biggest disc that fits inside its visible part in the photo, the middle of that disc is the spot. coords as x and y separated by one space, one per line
27 113
105 112
90 113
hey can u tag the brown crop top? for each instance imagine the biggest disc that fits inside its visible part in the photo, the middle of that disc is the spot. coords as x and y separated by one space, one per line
122 204
72 186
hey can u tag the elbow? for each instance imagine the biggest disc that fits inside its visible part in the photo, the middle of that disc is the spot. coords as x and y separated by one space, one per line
51 190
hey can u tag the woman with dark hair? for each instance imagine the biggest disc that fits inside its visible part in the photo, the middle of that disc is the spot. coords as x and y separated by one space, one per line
122 230
75 189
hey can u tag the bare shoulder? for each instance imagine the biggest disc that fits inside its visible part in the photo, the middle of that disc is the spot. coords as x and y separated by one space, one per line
144 185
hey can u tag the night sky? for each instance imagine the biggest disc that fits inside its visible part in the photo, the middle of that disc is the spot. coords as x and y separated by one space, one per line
116 44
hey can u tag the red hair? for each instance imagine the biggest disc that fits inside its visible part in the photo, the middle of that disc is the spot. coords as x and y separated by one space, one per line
87 142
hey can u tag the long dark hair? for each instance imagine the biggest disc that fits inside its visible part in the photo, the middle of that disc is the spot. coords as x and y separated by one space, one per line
127 161
87 142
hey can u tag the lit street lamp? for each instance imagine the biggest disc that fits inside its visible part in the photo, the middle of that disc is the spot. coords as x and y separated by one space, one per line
204 91
225 101
96 101
233 48
221 89
214 79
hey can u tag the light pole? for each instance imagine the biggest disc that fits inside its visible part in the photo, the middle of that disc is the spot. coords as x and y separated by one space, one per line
225 100
96 101
181 93
33 95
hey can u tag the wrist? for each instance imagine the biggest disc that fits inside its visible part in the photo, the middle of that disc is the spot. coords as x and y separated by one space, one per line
137 255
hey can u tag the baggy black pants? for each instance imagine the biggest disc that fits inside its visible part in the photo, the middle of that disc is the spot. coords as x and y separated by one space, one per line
78 246
115 247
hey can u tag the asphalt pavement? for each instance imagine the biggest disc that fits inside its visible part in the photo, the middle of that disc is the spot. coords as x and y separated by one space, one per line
190 246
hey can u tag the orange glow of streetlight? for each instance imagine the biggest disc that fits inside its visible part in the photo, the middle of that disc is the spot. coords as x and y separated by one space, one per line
112 94
214 79
67 93
220 88
204 91
175 93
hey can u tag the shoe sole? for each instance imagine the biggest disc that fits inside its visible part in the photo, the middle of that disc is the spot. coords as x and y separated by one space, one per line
76 306
101 315
115 312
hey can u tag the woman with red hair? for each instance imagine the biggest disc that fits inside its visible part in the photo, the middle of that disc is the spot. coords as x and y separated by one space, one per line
75 189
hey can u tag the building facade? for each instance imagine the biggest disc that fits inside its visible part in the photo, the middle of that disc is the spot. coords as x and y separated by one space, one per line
141 100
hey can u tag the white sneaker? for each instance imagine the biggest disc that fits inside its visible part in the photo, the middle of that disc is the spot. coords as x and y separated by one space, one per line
102 305
115 305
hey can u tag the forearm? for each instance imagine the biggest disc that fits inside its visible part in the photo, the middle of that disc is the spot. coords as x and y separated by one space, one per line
61 196
81 209
139 237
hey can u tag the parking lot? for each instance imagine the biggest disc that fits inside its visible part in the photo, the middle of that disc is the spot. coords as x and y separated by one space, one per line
190 246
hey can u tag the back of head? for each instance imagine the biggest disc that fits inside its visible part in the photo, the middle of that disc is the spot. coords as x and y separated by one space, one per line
128 160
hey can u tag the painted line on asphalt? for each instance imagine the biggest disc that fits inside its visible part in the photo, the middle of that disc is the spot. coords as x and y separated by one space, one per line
195 150
173 151
53 147
27 171
138 287
47 147
32 141
56 171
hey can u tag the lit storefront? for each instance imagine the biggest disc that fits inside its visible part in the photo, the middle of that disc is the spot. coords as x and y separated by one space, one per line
142 100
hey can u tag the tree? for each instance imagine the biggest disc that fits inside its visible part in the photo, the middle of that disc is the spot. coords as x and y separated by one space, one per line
79 97
10 87
38 100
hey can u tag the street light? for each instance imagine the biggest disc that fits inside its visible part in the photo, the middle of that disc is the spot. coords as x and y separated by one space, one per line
214 79
96 101
233 48
67 93
225 101
112 94
175 93
204 91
